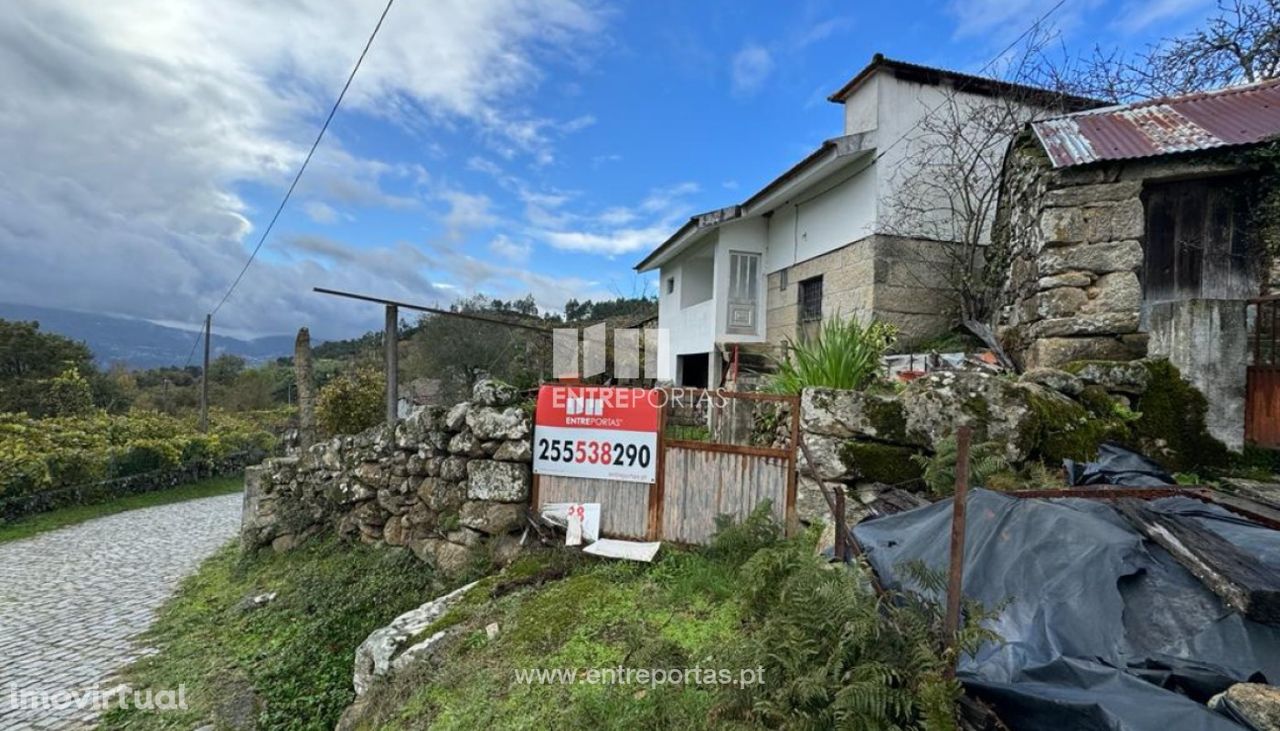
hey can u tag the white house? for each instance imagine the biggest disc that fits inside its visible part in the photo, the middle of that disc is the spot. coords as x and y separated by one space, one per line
817 240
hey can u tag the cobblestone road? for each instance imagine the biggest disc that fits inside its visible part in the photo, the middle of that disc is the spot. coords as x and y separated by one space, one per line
71 600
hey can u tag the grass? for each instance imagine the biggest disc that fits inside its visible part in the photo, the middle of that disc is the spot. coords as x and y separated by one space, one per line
602 614
286 665
41 522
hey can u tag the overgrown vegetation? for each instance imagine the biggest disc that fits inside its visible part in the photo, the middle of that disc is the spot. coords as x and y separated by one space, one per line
285 665
846 354
832 653
47 454
352 402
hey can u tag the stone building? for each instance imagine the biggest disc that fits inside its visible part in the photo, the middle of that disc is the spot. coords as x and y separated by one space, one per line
827 237
1139 232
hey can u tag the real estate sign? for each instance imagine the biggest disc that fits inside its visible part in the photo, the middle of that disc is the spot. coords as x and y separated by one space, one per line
597 432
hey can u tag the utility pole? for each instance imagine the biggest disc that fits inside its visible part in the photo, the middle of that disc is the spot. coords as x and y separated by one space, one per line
390 341
204 378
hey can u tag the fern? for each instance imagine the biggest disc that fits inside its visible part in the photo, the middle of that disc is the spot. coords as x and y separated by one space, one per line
985 460
836 655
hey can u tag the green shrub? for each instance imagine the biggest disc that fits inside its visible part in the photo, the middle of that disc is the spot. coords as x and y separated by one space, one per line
145 455
352 402
845 355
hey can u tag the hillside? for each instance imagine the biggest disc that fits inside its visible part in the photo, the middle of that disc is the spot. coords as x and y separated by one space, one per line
138 343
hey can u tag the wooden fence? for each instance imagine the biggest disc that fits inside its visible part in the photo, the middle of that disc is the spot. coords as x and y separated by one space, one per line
696 480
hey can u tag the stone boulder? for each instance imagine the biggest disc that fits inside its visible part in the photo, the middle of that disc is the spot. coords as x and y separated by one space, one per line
1118 377
492 518
488 392
399 643
501 424
456 417
1256 704
504 482
837 413
465 443
1061 381
515 450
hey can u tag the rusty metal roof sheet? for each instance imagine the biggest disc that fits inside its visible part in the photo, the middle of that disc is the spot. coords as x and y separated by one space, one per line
1237 115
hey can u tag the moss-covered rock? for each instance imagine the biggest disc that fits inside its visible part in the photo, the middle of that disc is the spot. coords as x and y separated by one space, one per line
1113 375
1171 428
1067 429
880 462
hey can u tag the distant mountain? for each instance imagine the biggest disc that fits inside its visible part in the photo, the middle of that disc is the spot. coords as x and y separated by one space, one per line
138 343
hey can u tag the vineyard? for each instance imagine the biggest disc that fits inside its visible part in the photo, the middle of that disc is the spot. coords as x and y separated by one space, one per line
39 455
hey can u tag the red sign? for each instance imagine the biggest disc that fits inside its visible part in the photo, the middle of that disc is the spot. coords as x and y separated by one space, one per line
598 432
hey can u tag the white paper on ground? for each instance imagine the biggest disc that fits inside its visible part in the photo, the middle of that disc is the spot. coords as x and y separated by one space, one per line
630 550
589 517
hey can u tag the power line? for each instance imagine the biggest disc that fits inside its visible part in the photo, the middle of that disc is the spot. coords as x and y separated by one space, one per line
306 161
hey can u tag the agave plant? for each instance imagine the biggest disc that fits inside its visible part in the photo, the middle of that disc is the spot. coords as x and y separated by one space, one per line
846 355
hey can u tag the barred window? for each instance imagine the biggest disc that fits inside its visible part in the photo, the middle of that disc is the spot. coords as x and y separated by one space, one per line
810 293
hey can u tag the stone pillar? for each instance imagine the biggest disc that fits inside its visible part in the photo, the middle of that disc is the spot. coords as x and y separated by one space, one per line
302 375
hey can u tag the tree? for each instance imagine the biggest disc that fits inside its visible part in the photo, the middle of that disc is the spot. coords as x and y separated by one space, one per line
1239 45
352 402
225 369
29 358
460 352
947 186
66 394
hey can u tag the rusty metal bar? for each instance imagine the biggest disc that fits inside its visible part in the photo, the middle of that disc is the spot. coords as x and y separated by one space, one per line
955 573
657 491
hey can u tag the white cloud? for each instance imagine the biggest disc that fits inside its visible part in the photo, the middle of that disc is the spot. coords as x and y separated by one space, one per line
509 251
1136 17
136 125
625 230
467 211
750 68
320 212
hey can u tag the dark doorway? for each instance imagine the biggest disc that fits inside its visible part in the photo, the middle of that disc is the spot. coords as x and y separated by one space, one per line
692 370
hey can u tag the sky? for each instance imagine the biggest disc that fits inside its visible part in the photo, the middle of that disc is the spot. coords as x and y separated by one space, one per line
503 147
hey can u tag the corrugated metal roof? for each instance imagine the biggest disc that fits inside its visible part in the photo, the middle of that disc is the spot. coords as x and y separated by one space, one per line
1238 115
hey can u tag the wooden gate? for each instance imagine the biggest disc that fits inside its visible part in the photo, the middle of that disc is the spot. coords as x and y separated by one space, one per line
1262 389
699 478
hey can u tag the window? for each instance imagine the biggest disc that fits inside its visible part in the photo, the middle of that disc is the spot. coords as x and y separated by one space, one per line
671 285
810 294
1197 242
744 292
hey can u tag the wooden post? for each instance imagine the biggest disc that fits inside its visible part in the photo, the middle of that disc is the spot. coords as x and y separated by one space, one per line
391 341
305 382
955 574
204 377
792 517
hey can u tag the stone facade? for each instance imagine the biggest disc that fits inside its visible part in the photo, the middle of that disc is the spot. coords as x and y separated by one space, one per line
1076 290
899 280
442 482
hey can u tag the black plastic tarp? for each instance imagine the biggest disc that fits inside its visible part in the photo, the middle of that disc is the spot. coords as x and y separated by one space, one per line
1102 629
1117 466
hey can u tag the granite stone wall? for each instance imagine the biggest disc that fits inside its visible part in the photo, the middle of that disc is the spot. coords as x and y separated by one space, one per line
443 482
899 280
